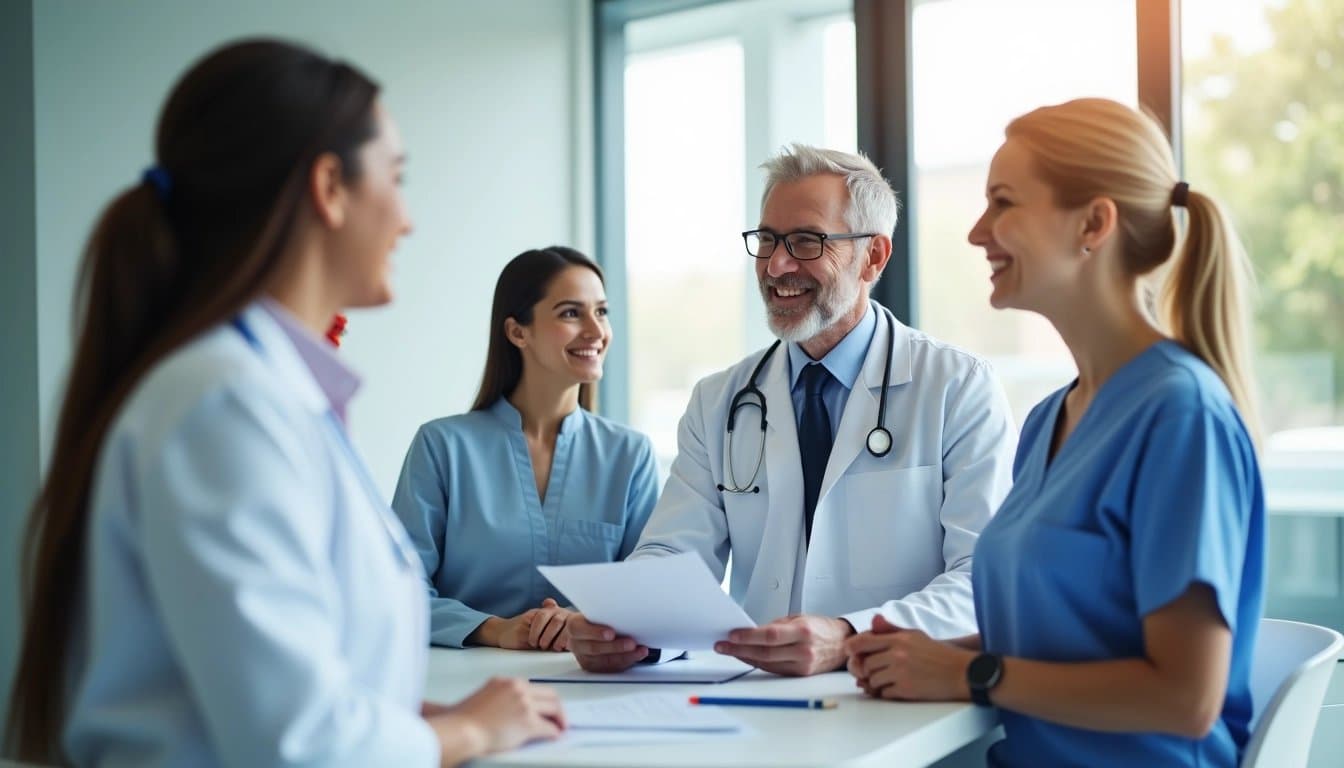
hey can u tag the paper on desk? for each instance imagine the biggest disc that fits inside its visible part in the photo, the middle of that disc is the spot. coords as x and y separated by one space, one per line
596 738
661 602
701 667
647 712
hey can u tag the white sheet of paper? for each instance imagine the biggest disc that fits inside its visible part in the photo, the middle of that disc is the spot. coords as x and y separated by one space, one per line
662 602
647 712
701 667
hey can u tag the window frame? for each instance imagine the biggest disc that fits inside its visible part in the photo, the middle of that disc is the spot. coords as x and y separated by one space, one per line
883 45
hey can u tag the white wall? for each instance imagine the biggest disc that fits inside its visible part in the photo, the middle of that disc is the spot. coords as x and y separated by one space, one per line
492 99
18 309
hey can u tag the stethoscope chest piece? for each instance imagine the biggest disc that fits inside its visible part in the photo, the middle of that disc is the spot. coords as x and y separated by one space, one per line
879 442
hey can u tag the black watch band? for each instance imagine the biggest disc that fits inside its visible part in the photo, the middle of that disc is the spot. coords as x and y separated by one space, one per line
982 674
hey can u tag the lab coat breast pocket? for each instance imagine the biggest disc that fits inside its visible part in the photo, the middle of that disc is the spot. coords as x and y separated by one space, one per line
893 527
588 541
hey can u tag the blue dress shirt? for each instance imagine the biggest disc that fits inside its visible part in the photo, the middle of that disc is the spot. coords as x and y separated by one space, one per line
249 599
468 498
844 362
1156 489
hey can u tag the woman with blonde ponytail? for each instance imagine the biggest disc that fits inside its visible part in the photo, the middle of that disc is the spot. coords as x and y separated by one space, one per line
1119 588
210 576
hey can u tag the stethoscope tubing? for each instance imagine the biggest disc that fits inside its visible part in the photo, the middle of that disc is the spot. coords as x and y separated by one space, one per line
878 442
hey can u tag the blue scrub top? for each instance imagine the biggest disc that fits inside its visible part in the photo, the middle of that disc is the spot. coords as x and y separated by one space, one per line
468 498
1156 489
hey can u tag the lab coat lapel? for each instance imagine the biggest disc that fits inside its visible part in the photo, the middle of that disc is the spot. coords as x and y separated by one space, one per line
783 464
860 416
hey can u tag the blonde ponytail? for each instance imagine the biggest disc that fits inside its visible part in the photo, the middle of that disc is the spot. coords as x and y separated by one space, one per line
1090 148
1204 301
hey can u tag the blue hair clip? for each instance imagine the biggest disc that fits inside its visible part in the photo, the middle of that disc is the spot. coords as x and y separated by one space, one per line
158 178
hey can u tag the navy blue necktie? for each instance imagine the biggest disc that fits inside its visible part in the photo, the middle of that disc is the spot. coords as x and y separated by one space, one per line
814 438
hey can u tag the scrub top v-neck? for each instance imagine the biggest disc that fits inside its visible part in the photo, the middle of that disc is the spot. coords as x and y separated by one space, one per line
468 497
1157 489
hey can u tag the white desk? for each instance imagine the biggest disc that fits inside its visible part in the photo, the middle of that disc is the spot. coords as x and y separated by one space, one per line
860 732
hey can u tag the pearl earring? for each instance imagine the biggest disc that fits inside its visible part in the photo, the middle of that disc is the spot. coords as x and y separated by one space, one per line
1087 251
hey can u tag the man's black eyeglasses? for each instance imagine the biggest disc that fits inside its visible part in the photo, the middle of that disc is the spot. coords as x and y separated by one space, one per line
802 245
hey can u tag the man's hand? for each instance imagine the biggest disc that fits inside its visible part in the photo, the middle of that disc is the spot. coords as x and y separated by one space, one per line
794 645
894 663
598 648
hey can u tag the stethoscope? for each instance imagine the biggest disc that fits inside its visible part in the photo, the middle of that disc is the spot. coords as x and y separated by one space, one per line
878 442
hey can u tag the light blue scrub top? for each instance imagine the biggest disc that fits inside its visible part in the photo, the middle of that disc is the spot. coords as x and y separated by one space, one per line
468 498
1158 488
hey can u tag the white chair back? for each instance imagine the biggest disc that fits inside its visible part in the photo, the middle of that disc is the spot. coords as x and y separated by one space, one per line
1290 671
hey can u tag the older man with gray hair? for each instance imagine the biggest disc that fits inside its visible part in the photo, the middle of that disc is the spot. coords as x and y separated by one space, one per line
884 452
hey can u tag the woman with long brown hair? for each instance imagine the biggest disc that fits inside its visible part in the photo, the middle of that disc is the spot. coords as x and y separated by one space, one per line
1119 587
530 476
211 577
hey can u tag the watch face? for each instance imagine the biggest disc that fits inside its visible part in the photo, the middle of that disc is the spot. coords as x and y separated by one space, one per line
983 671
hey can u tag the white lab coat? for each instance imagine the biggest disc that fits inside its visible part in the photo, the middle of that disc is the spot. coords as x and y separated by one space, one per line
892 535
249 600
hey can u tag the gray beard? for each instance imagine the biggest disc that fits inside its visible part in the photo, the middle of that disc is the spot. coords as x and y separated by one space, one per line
798 329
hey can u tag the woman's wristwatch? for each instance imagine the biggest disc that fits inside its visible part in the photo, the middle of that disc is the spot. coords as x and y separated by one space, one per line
982 674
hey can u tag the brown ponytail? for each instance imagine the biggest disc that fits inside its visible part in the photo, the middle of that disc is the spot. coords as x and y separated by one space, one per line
166 262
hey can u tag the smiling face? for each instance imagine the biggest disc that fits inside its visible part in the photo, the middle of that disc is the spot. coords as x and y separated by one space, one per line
569 334
1032 244
805 298
376 217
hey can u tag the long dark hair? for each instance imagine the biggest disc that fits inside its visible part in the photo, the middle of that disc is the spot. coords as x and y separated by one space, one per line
171 257
521 285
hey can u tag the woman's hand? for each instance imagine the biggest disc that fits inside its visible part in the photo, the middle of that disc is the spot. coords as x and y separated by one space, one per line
543 628
548 627
893 663
503 714
505 633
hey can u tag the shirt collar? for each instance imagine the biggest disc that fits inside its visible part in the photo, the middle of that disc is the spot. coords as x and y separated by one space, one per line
337 381
505 412
845 360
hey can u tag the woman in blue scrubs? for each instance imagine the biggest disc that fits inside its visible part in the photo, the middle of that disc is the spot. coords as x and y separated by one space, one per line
530 476
1119 588
211 577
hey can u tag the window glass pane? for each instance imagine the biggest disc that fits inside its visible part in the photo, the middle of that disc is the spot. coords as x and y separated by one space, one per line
841 96
684 258
1264 102
967 86
709 94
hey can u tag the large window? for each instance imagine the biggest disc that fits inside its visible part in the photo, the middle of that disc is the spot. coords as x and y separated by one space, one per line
1264 102
967 85
709 93
685 279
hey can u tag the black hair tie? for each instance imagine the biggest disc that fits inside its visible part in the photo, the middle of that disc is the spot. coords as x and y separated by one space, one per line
1179 194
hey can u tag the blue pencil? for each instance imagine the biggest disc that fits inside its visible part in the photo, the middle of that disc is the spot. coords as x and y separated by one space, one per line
730 701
